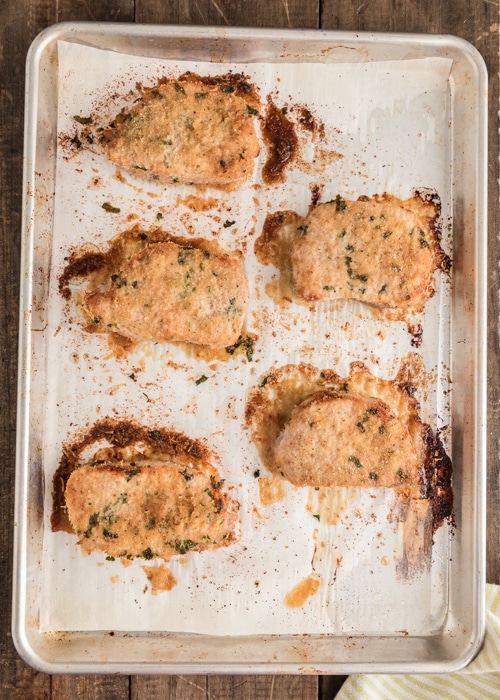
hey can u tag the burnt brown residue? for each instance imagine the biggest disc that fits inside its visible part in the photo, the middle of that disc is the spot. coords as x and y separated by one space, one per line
442 493
433 200
308 122
267 245
272 247
281 142
83 137
428 467
315 193
80 265
416 332
119 434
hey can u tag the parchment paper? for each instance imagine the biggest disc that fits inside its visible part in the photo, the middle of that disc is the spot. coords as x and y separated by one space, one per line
390 123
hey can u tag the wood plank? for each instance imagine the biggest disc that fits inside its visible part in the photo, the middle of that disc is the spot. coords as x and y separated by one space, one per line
90 687
264 687
263 13
171 687
95 10
224 687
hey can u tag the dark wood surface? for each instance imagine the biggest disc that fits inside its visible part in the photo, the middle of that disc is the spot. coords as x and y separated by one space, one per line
20 21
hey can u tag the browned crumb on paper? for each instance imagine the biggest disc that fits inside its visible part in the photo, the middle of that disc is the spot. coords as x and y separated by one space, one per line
197 203
160 578
308 121
271 406
300 594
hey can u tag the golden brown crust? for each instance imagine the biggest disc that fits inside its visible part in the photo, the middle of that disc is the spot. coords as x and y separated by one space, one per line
169 292
381 251
188 131
148 511
281 394
341 439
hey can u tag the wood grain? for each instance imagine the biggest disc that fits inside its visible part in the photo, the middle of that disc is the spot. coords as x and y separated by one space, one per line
20 21
274 13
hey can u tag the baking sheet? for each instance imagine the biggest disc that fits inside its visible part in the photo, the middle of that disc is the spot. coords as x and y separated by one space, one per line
388 123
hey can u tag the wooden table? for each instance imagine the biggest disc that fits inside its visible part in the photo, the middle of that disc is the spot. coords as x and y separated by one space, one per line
20 21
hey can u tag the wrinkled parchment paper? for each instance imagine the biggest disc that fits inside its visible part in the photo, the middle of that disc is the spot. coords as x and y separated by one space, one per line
389 122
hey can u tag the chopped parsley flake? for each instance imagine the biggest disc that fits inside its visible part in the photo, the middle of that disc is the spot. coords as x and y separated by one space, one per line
340 203
355 461
181 546
82 120
243 341
110 208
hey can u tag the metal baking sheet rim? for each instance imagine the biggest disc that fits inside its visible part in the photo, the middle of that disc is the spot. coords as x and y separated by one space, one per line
173 653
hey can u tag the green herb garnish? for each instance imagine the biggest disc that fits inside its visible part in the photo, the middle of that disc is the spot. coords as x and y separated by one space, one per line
340 203
243 341
82 120
181 546
110 208
93 521
355 461
109 535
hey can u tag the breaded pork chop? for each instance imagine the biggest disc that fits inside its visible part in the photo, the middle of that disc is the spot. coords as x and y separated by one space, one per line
168 292
340 439
185 131
382 251
152 511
